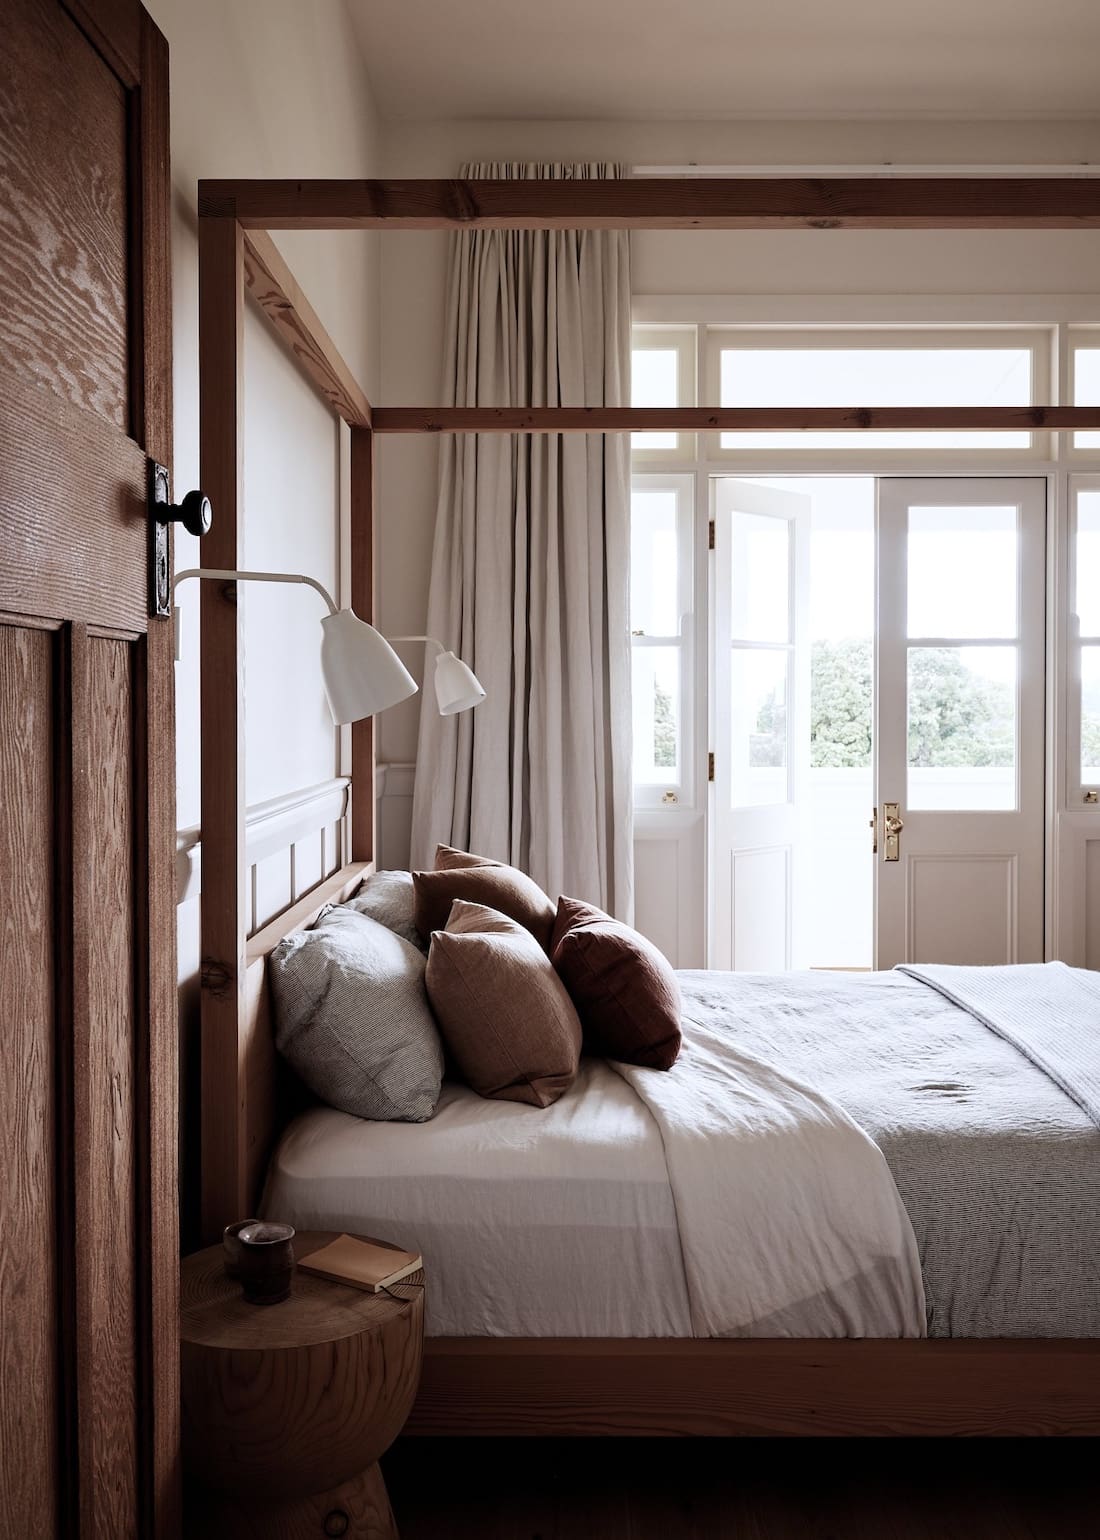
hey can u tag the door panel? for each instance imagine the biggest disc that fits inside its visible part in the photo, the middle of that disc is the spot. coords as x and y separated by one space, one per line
760 722
89 1268
960 719
28 1126
109 1273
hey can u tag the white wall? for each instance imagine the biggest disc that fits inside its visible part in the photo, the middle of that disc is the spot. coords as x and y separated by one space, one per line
810 262
268 88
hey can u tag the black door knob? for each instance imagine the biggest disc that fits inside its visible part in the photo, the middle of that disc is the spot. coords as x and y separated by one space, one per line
194 513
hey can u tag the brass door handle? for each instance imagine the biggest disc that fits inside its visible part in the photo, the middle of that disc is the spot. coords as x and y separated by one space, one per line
892 825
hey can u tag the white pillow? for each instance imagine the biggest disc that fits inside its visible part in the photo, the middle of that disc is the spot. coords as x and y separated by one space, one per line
352 1018
388 898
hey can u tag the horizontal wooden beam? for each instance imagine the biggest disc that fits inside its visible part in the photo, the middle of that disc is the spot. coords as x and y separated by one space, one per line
280 297
755 419
664 203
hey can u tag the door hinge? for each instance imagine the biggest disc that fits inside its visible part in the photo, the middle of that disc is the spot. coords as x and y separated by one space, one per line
710 766
710 536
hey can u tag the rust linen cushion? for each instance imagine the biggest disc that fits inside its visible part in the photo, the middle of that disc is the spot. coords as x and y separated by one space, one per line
477 880
506 1019
625 991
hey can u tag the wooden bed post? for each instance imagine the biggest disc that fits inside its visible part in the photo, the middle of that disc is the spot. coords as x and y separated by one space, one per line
221 322
363 821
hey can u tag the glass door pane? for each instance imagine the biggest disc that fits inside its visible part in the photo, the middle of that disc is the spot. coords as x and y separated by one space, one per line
760 728
962 572
962 728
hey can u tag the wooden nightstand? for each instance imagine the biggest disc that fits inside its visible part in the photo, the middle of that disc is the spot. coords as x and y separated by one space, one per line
287 1408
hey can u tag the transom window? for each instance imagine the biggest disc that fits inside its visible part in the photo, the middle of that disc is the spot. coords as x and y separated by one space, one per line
872 369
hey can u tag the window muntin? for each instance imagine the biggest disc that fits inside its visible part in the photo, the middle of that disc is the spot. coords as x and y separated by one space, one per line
661 622
871 368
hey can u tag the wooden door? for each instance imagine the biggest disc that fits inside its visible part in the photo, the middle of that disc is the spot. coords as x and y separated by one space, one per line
88 1253
960 720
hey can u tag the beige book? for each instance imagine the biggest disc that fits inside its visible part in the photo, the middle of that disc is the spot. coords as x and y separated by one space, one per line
362 1264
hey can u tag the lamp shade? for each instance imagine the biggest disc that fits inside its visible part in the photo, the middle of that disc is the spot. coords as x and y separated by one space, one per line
457 687
362 673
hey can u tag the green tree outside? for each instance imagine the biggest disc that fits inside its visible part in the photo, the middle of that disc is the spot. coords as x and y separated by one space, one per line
955 718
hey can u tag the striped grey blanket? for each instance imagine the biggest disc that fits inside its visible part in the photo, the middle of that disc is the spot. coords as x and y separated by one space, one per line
983 1125
1049 1012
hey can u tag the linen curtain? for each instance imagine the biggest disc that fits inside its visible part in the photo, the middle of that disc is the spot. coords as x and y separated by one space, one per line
530 565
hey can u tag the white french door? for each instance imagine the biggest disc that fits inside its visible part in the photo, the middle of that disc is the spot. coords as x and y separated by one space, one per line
760 722
959 722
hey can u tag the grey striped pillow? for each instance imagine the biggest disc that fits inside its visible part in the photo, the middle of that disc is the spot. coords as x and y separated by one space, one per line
352 1018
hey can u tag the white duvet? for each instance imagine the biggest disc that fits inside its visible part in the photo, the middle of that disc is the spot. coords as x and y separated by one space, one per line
790 1222
723 1198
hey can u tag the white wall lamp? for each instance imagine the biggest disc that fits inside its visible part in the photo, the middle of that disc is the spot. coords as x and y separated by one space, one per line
362 673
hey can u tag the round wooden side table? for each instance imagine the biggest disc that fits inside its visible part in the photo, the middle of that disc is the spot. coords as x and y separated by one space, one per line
287 1408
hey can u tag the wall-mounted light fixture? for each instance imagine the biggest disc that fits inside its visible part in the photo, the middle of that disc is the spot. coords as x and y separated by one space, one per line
362 673
457 687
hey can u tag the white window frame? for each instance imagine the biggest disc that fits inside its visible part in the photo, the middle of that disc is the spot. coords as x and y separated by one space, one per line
678 790
719 339
682 340
1076 339
1078 789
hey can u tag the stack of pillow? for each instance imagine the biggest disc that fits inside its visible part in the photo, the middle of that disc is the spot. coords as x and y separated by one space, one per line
512 989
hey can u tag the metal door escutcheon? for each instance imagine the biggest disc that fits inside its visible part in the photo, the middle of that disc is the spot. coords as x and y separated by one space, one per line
891 828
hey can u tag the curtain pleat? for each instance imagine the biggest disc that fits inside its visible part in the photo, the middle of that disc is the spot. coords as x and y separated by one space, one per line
530 564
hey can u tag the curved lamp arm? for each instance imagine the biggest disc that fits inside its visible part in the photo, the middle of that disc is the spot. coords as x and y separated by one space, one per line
228 575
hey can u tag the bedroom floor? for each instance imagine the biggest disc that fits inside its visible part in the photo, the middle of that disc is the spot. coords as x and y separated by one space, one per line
619 1489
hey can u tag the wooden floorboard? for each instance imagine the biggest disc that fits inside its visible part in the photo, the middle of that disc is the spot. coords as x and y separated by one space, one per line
753 1489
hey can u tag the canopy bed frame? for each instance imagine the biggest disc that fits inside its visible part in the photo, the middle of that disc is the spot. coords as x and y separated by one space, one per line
554 1386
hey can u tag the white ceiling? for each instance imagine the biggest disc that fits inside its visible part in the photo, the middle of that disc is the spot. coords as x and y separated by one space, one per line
713 59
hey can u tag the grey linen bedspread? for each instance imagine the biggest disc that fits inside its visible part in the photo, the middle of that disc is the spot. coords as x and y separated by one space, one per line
998 1167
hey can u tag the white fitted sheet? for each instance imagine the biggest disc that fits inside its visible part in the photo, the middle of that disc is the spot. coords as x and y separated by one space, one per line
532 1222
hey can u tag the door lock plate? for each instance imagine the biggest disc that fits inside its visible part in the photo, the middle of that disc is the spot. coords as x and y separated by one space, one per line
891 831
160 575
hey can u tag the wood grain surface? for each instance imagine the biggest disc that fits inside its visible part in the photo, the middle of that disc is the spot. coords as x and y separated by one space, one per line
64 256
92 565
221 318
688 419
29 1456
299 1397
298 327
364 810
106 1128
587 1387
85 393
663 203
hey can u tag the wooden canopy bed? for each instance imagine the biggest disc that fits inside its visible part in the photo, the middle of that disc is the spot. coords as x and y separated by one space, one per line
500 1386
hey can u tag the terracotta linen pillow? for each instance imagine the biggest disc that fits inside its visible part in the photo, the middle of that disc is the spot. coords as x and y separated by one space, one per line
505 1017
626 993
480 881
